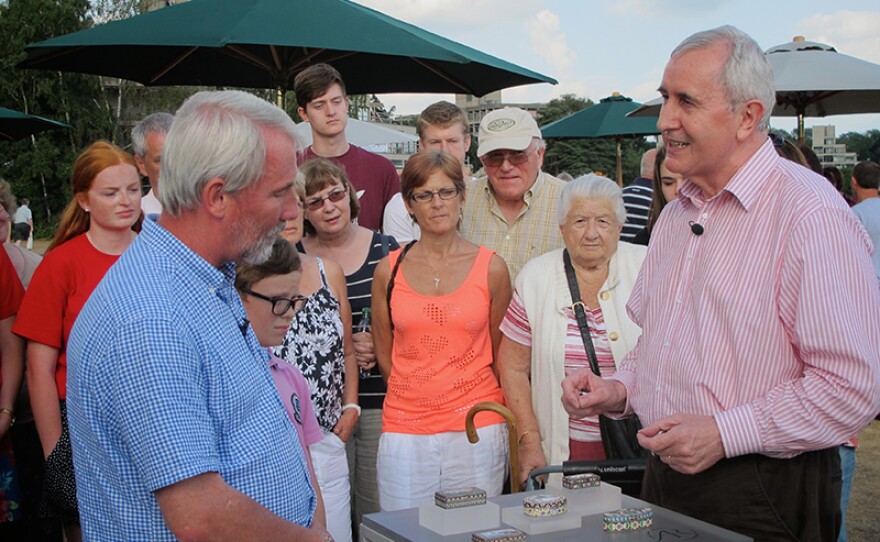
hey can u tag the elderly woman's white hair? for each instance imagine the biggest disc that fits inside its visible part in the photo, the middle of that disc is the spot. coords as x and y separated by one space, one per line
591 186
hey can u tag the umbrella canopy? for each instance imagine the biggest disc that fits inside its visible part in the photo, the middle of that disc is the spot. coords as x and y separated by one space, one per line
608 118
813 80
362 134
265 43
16 125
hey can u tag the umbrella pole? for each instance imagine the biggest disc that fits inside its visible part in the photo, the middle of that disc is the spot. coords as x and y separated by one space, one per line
619 164
801 132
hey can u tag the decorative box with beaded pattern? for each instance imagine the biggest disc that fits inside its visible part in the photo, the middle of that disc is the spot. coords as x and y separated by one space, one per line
499 535
627 519
581 481
460 498
544 506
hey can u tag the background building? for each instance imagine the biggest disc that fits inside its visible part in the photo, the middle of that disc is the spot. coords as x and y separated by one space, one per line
476 108
829 152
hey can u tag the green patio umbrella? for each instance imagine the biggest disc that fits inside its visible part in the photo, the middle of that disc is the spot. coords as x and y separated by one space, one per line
605 119
16 125
265 43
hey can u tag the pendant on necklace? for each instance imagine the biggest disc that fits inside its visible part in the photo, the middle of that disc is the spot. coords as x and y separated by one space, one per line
436 282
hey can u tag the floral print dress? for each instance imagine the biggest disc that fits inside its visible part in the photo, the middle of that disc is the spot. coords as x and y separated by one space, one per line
314 344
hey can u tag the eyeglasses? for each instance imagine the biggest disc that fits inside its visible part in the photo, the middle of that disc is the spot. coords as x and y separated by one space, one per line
313 204
280 305
516 158
427 196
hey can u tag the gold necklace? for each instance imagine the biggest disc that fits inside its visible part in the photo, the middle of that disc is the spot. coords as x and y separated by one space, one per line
437 272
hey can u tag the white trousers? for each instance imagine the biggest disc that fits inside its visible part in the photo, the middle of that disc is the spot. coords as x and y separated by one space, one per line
412 468
331 468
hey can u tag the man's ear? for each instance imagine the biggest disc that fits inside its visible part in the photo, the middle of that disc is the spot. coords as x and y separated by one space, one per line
750 117
215 198
139 162
303 114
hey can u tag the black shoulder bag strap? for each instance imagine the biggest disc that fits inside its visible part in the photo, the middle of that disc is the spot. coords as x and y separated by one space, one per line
580 314
390 287
618 436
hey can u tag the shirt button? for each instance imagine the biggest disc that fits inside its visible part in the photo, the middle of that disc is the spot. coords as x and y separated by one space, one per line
704 215
212 289
507 237
613 336
605 296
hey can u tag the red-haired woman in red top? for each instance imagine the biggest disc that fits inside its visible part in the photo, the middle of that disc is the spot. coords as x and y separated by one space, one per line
97 226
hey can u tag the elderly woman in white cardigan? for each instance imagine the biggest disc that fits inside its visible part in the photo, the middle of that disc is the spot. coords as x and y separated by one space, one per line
542 342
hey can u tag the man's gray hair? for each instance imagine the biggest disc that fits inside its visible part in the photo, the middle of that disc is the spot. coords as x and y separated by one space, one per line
591 186
747 74
217 134
156 123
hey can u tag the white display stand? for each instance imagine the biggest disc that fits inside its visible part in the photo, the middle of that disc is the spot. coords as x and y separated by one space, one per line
514 517
581 502
482 517
592 500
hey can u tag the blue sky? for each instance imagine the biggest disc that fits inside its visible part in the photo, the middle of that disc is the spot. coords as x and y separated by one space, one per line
595 48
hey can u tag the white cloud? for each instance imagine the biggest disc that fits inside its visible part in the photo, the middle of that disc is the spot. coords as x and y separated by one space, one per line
850 32
444 13
652 9
549 42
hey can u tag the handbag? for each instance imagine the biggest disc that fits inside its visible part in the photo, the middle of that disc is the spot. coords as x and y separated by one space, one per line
618 436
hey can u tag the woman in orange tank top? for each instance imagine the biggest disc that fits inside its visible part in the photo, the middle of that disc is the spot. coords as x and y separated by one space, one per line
436 343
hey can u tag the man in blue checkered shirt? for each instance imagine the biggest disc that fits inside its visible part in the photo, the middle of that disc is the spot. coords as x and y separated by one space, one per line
177 430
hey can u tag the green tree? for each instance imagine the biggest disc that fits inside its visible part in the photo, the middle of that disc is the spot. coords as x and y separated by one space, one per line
580 156
39 167
866 146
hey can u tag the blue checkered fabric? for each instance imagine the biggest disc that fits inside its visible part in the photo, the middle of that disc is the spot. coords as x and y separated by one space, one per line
164 383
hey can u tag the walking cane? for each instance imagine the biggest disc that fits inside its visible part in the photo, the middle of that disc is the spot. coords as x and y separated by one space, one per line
511 432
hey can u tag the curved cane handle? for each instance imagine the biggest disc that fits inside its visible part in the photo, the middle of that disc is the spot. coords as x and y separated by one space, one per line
505 413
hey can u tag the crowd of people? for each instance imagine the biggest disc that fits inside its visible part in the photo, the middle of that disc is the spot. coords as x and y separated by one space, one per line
277 340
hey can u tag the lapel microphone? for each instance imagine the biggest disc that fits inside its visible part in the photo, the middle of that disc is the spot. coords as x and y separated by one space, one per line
697 229
243 327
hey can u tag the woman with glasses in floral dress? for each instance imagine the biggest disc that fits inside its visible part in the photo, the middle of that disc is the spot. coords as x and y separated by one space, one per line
318 342
331 233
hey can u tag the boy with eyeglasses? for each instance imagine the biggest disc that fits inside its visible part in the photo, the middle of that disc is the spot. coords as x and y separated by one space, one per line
270 294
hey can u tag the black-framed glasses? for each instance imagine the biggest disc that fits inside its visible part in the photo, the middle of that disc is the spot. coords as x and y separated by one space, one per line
313 204
280 305
426 195
516 158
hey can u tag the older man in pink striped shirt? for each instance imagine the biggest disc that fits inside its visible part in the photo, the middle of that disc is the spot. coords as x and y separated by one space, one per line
759 310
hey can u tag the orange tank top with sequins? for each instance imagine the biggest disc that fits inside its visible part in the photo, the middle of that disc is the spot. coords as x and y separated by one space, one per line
441 359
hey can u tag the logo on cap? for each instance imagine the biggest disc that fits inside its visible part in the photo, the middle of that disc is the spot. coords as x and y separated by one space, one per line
499 125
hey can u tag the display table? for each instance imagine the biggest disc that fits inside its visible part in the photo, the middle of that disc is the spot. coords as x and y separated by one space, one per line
403 526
